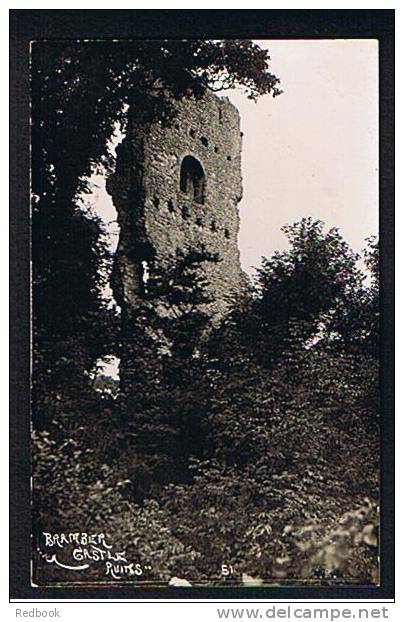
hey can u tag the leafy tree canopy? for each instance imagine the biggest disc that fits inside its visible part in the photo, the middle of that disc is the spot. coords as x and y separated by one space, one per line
312 290
80 90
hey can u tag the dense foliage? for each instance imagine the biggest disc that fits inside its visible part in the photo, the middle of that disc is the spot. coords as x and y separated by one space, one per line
220 452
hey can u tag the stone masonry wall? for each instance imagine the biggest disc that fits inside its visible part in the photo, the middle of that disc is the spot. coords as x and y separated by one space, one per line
156 217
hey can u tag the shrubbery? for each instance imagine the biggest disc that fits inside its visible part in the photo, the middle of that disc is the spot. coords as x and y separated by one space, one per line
260 454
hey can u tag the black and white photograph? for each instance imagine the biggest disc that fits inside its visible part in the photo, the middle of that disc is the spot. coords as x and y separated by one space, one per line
205 387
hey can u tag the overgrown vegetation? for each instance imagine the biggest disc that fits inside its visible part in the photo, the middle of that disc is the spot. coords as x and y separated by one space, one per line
253 445
261 452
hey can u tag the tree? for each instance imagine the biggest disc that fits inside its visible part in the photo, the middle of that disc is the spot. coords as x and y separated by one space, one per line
162 382
354 325
297 289
73 325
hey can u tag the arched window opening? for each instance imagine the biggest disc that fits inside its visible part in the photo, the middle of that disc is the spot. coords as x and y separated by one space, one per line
192 179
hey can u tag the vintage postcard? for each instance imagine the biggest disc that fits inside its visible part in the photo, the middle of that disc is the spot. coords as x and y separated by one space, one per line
206 405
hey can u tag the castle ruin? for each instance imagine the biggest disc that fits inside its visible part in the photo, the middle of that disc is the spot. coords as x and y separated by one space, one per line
178 187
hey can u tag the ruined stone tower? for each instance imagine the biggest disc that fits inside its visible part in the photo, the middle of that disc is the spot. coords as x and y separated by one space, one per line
179 187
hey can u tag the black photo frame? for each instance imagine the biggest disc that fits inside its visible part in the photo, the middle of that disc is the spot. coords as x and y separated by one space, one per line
27 25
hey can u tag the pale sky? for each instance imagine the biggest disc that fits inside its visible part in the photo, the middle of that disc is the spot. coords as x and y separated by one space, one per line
312 151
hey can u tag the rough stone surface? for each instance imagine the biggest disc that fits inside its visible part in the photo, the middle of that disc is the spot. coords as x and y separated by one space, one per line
156 217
